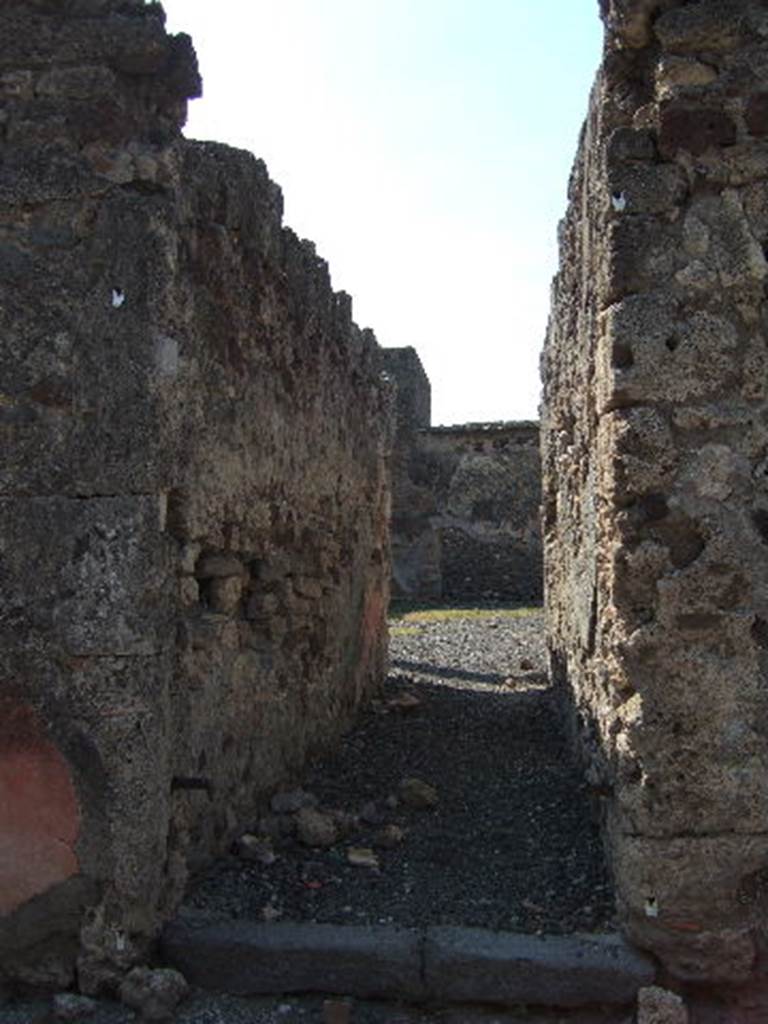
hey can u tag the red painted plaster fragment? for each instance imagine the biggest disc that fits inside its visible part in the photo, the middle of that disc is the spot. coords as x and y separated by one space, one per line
39 812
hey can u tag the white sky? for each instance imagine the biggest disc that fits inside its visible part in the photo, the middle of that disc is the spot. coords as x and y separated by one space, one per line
425 147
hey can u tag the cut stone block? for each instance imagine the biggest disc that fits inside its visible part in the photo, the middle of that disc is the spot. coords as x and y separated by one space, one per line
474 965
245 958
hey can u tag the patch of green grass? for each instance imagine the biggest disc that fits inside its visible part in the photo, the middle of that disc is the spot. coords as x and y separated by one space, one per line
410 612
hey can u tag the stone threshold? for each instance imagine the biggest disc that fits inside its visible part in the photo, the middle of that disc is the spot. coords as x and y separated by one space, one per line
433 964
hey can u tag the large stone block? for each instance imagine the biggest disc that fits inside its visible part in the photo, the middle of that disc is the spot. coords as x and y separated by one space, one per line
248 959
102 574
684 901
472 965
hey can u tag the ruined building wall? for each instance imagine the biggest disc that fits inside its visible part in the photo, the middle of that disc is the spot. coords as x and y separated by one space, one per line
655 439
465 500
415 547
485 481
193 490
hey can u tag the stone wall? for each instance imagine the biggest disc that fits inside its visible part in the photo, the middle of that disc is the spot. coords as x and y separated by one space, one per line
465 500
415 548
414 393
193 490
655 439
485 481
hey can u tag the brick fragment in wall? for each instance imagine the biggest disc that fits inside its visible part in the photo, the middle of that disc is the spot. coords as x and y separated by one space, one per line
195 490
653 435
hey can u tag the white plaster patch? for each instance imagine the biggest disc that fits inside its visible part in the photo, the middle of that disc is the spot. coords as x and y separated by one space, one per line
118 298
651 907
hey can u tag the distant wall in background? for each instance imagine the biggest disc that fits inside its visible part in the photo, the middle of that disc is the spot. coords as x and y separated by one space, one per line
465 512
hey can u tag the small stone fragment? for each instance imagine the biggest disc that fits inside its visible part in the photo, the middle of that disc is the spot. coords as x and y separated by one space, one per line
345 822
189 591
95 977
362 857
292 800
417 794
404 702
258 848
674 73
276 826
219 567
70 1006
146 167
155 993
225 594
314 828
189 555
337 1011
659 1006
371 814
389 837
317 874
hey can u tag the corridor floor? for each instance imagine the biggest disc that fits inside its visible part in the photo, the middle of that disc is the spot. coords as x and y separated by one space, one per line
510 842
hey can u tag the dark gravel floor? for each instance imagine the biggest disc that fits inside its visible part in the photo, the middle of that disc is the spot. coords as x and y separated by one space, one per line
208 1008
509 845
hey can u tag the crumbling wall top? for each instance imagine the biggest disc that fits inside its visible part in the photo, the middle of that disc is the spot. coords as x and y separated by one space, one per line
77 72
679 25
414 393
630 20
495 427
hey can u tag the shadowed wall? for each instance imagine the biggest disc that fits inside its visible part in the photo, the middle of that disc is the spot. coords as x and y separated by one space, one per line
193 490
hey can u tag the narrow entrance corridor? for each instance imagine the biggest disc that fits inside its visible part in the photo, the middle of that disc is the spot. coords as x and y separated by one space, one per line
508 842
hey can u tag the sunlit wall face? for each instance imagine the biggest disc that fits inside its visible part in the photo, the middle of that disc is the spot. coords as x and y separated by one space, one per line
425 146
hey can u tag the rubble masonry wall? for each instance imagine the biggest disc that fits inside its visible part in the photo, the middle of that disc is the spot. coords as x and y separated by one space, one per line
193 490
415 551
485 482
655 440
